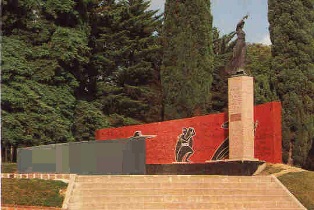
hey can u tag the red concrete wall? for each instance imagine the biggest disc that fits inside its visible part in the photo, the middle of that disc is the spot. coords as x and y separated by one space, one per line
209 135
268 140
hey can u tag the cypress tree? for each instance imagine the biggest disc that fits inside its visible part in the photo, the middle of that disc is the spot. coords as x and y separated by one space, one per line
186 73
291 32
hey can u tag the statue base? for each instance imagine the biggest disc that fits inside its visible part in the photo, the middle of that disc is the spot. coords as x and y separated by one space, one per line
241 118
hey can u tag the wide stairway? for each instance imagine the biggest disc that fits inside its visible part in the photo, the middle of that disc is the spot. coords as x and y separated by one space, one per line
180 192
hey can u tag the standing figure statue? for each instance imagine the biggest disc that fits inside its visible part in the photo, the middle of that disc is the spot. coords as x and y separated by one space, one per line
239 51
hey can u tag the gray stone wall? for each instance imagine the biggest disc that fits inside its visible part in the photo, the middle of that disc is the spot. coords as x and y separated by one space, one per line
122 156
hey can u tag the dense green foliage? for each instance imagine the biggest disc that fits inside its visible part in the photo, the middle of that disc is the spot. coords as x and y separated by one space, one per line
126 57
223 50
87 119
71 67
186 74
37 85
291 31
258 63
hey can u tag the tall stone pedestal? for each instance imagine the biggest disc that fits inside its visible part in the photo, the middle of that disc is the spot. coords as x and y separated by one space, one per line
241 118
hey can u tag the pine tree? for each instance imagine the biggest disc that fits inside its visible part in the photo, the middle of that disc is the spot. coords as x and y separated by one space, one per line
125 61
291 32
187 58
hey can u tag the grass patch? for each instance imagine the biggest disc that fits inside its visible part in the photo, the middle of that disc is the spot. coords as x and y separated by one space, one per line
301 185
8 168
32 192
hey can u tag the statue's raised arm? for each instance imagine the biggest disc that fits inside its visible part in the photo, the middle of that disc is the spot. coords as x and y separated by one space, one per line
241 22
245 17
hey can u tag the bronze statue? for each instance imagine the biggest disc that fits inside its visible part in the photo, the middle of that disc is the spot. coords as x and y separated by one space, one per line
236 66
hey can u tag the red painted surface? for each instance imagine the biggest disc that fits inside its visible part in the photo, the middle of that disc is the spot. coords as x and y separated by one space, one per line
268 134
209 135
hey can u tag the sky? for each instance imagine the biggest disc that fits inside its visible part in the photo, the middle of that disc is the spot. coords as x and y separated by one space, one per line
227 13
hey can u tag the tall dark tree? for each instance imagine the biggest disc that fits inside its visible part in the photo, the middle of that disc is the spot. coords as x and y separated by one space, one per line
126 60
186 74
291 32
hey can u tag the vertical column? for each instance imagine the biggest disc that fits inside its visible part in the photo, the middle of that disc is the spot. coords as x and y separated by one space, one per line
241 117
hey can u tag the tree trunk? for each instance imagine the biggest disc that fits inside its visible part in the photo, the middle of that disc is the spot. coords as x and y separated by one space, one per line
14 154
5 154
11 153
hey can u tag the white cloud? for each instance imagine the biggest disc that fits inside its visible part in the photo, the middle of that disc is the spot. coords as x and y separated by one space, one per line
265 40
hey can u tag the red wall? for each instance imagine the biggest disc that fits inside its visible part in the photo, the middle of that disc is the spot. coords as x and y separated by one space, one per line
209 135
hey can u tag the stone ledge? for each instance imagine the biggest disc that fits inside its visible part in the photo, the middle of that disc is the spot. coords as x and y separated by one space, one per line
61 177
69 191
225 167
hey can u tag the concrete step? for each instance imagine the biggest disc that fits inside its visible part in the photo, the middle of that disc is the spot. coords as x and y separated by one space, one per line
182 191
178 198
187 205
132 185
179 191
172 179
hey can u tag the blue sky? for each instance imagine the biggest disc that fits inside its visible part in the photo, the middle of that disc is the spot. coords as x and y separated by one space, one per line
227 13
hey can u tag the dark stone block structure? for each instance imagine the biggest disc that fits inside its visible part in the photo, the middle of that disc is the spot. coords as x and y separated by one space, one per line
227 167
123 156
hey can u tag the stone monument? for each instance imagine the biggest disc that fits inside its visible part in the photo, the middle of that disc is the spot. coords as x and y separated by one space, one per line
241 117
240 102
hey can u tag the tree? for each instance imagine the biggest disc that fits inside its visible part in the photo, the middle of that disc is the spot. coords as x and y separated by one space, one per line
71 67
87 119
186 74
44 45
223 50
33 113
291 32
125 61
258 63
